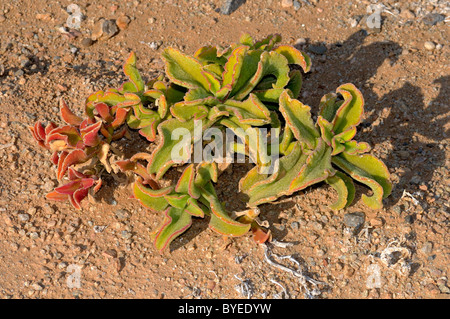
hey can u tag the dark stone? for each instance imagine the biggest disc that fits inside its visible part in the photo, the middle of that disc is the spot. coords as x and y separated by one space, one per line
409 219
229 6
317 49
354 220
433 18
87 42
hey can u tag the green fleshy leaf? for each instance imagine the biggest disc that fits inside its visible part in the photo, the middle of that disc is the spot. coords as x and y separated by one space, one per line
271 63
149 132
206 172
286 140
328 106
251 111
209 54
161 159
152 199
295 56
193 208
252 140
176 221
326 130
252 66
221 222
345 189
128 87
298 118
184 112
184 70
354 148
370 171
337 147
174 94
186 183
295 83
246 39
133 74
215 69
346 135
267 43
296 171
232 71
177 200
198 96
350 112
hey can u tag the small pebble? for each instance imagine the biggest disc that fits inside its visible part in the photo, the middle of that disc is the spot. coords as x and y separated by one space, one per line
19 73
409 219
34 235
229 6
37 287
430 46
87 42
62 265
354 220
427 248
287 3
104 30
123 22
433 18
122 214
24 217
300 41
317 49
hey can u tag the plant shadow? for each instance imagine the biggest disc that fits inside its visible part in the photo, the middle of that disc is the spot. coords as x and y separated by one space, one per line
396 117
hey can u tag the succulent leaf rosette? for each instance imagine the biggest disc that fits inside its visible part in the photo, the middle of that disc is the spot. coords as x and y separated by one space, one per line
250 85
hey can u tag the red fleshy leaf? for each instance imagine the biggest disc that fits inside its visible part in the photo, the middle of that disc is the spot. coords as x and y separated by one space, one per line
74 157
67 115
98 186
259 235
55 158
79 195
104 111
121 115
86 123
36 137
61 159
90 134
74 202
73 174
67 133
69 188
39 131
121 133
50 127
57 196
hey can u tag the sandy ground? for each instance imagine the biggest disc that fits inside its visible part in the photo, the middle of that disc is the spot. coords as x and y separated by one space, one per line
401 251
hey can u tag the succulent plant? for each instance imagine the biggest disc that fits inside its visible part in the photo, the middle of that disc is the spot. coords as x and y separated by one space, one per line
248 87
192 196
311 150
236 88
